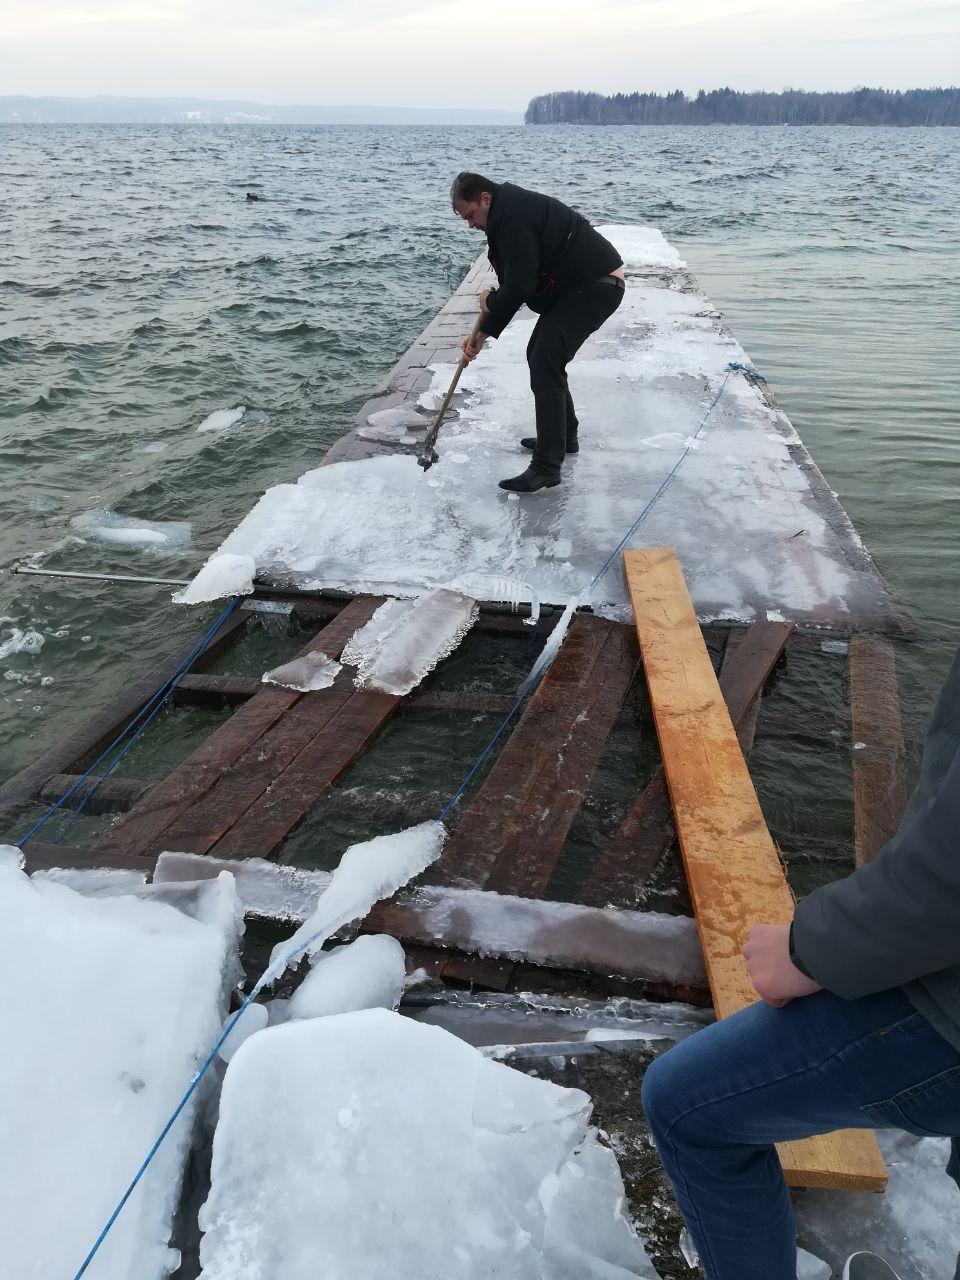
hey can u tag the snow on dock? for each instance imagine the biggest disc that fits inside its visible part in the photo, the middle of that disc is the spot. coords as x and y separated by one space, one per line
755 526
109 1002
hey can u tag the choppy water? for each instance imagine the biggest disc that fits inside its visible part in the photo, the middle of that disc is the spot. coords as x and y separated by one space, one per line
141 291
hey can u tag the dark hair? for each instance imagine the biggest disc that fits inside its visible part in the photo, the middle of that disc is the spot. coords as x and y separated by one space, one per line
469 186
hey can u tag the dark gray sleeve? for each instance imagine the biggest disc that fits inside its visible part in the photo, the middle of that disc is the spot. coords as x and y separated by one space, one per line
897 918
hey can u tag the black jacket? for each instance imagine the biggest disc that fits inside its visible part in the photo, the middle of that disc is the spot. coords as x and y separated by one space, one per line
538 247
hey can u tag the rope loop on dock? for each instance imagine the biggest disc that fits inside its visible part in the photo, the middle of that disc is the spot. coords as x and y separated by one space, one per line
134 729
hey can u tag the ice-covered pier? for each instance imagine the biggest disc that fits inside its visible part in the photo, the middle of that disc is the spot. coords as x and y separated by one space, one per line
350 692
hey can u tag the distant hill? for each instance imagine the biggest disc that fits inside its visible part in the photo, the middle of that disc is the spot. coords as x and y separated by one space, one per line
728 106
106 110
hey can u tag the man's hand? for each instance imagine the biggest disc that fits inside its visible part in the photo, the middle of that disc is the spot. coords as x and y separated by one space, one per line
470 346
772 972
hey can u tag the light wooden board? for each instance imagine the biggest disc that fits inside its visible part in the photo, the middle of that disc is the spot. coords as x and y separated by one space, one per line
733 869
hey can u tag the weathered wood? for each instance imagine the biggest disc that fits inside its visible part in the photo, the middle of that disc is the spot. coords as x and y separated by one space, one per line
459 701
483 971
879 791
81 747
41 856
112 795
204 690
142 829
648 830
548 725
734 873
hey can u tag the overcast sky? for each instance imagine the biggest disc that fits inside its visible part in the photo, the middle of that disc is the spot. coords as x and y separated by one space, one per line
471 53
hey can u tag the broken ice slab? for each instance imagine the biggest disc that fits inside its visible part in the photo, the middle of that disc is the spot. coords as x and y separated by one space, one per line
644 945
506 1177
367 974
401 424
308 673
107 1006
223 575
406 639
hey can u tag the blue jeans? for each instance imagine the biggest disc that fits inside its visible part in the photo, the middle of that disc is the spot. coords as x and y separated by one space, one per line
718 1101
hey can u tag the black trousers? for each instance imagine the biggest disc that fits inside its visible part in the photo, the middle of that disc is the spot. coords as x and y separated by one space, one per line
558 336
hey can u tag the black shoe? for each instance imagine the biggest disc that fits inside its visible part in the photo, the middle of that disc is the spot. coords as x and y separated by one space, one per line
530 442
530 481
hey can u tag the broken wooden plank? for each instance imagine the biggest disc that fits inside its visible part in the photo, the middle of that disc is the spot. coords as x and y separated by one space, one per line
733 870
548 724
142 829
81 747
879 791
648 830
106 795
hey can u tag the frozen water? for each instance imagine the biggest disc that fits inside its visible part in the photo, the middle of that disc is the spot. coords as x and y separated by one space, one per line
307 673
552 645
377 1147
224 575
127 531
110 1003
11 855
367 974
220 419
93 880
643 383
254 1019
21 640
505 591
405 639
396 425
811 1268
642 246
367 872
915 1224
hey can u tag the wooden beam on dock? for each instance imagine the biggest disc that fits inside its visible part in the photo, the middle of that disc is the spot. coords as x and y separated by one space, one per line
648 830
144 829
879 792
733 869
110 795
219 690
80 748
511 835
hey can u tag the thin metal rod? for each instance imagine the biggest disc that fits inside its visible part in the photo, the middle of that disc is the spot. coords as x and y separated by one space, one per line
98 577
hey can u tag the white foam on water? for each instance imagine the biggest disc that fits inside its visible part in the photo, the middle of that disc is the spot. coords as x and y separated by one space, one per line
309 672
21 640
221 419
224 575
128 531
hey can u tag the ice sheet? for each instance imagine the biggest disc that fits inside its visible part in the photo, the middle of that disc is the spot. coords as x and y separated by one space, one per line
752 522
310 672
107 1005
385 1148
224 575
405 639
367 872
642 246
126 531
367 974
221 419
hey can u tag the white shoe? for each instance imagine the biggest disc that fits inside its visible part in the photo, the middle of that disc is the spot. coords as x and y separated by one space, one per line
868 1266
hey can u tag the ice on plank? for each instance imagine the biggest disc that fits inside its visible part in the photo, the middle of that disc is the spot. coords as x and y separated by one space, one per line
367 872
110 1003
642 385
406 639
224 575
366 974
221 419
385 1148
127 531
915 1224
309 672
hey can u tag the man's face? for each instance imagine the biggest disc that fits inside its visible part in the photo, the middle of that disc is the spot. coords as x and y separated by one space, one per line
474 212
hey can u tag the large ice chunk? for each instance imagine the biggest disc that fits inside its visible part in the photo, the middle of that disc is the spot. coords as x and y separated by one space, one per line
224 575
405 639
107 1005
307 673
366 1145
367 974
367 872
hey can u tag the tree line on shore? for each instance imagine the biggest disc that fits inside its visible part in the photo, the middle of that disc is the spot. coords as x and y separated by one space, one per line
729 106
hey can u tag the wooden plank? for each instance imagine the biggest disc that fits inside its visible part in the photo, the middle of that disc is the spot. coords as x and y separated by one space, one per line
495 816
458 701
204 690
478 971
648 830
81 747
141 830
734 872
261 830
41 856
879 791
112 795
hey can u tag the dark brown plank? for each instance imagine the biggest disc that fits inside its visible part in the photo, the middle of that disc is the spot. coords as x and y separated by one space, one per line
41 856
204 690
879 791
141 829
648 830
494 816
461 701
567 763
261 830
478 971
112 795
80 748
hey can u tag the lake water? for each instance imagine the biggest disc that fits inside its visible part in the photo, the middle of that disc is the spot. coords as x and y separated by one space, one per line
141 291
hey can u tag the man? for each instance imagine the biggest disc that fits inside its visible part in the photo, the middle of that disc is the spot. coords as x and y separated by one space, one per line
547 256
860 1029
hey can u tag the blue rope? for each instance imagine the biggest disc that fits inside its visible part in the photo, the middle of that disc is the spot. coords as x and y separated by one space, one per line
444 812
149 710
